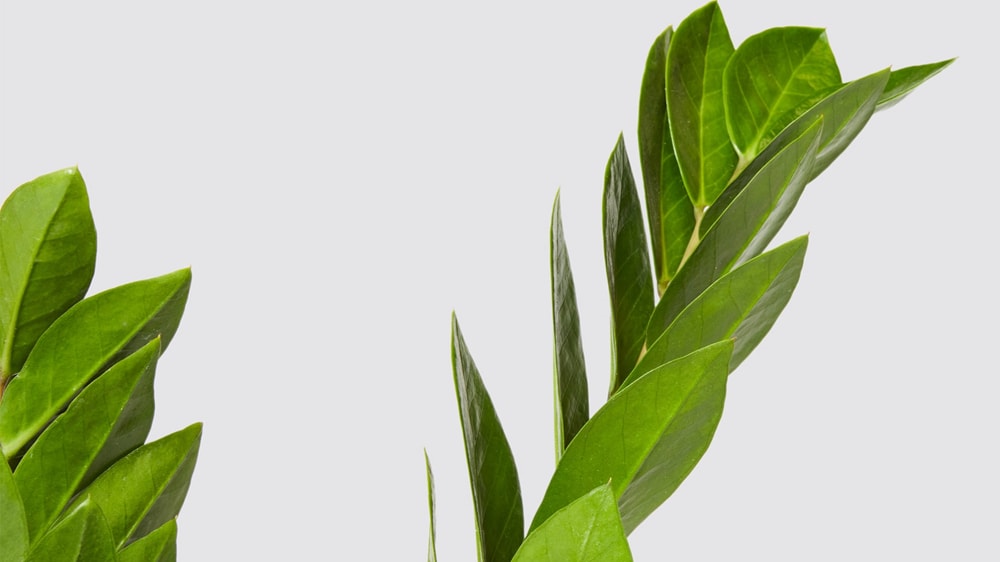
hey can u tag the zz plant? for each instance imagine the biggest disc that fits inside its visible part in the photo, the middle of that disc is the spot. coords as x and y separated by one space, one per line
728 139
77 479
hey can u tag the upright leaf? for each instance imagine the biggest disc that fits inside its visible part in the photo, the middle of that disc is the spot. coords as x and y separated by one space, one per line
81 536
158 546
587 530
697 58
431 547
48 248
646 438
572 404
94 333
771 79
905 80
627 263
13 523
496 492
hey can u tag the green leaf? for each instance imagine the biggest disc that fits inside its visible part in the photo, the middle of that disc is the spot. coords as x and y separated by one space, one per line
81 536
48 248
91 335
699 51
158 546
771 79
431 548
146 488
905 80
496 492
572 404
587 530
13 523
742 305
627 262
747 224
54 467
646 438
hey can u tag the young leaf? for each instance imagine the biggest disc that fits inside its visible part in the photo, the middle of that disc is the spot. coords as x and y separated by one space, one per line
626 259
587 530
94 333
53 469
431 548
13 523
905 80
699 51
158 546
772 78
48 248
81 536
646 438
572 403
496 492
146 488
742 305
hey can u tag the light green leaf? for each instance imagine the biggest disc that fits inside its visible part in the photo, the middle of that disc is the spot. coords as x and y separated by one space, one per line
54 467
81 536
572 403
158 546
747 224
93 334
771 79
48 248
587 530
496 492
13 523
431 547
626 260
699 51
646 438
905 80
146 488
742 305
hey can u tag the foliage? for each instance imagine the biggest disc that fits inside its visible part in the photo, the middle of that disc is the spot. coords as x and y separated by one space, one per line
78 480
728 139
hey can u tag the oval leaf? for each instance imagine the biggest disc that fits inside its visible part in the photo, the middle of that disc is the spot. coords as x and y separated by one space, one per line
81 536
13 523
158 546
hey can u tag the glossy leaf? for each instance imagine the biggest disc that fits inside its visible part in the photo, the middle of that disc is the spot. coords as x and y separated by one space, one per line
431 547
13 523
146 488
496 492
158 546
54 467
572 402
699 51
626 260
742 305
94 333
771 79
81 536
48 248
587 530
905 80
746 226
646 438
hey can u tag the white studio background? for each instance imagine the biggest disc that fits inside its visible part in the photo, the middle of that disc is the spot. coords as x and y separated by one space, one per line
341 176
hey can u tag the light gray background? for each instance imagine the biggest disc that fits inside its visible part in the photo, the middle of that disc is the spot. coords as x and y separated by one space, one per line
342 176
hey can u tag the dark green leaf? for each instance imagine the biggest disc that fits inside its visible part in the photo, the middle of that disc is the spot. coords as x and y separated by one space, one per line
699 51
158 546
431 548
646 438
587 530
146 488
905 80
53 469
742 305
496 492
572 399
626 259
13 523
94 333
48 247
771 79
81 536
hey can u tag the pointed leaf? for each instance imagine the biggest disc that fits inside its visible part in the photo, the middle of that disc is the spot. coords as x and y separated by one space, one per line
771 79
13 523
742 305
146 489
96 332
81 536
48 248
646 438
496 492
53 469
587 530
572 397
626 259
431 548
905 80
158 546
699 51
